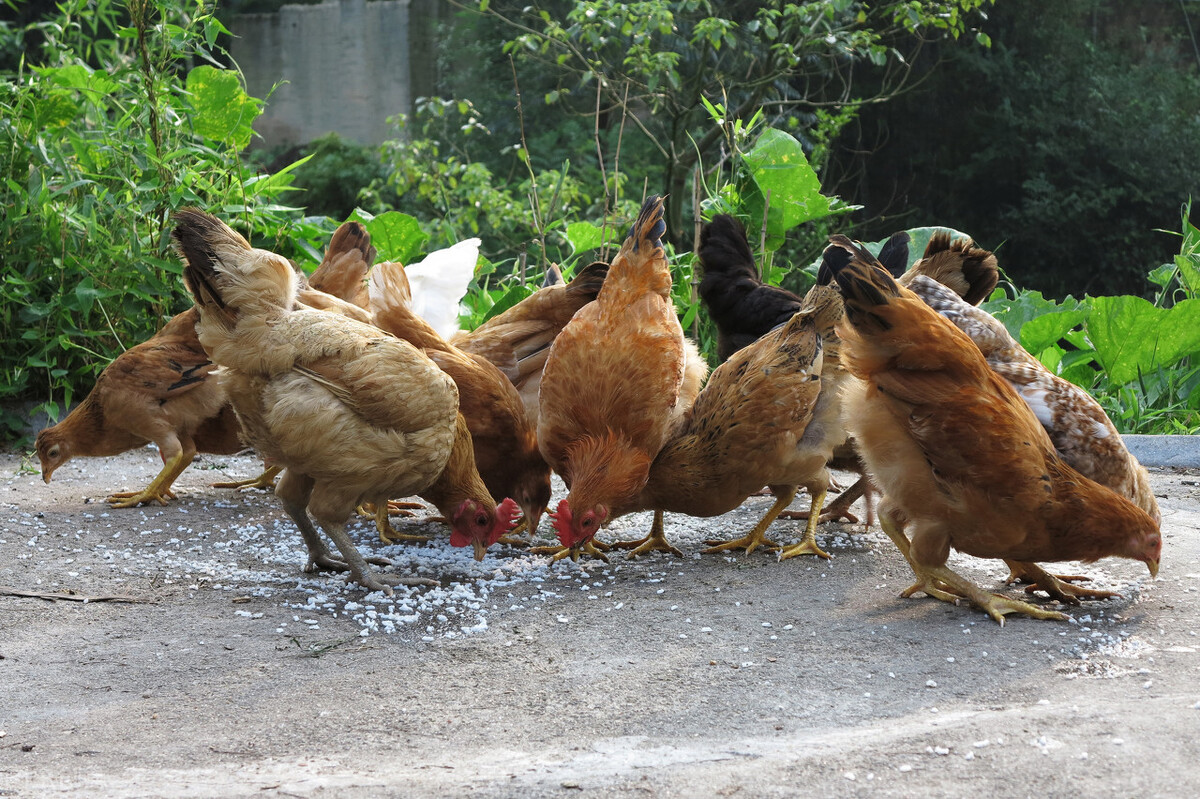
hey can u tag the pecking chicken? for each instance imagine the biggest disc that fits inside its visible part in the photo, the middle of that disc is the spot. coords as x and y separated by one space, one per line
743 308
505 444
163 391
518 340
611 386
353 414
962 461
754 424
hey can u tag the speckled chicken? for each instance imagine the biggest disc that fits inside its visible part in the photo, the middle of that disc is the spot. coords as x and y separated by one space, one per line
962 461
1081 431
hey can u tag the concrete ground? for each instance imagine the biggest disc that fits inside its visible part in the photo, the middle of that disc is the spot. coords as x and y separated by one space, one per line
235 675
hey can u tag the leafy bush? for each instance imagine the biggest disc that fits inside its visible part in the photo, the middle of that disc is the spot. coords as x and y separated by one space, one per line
100 140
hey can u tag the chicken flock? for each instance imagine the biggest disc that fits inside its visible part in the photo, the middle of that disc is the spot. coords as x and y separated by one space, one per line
355 396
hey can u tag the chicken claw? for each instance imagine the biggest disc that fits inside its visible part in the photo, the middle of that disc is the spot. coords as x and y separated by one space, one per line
131 499
808 544
757 537
1057 586
594 548
265 481
656 541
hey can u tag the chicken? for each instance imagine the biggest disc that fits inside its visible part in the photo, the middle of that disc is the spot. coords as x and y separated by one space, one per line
1081 431
743 308
962 461
505 444
518 339
611 386
352 413
967 270
748 428
162 391
344 269
438 283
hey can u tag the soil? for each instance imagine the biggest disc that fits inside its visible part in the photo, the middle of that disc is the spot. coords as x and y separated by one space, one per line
234 674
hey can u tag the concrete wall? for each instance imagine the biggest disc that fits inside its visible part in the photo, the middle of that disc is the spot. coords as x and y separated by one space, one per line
346 63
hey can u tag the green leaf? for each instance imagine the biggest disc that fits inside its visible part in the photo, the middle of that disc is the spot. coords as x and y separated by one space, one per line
396 236
778 170
508 300
585 236
1044 332
1028 305
1131 336
223 110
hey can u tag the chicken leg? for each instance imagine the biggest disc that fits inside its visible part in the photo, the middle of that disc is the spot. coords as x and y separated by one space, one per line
941 583
159 489
265 480
757 537
656 541
1058 586
808 544
840 507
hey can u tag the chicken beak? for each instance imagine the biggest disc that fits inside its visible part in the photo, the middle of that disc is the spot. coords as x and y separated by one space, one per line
1153 566
46 476
480 549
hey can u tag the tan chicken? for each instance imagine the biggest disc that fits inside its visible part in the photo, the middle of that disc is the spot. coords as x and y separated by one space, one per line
518 340
505 445
751 427
962 461
352 413
611 386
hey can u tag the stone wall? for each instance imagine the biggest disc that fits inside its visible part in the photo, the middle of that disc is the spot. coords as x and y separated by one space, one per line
346 66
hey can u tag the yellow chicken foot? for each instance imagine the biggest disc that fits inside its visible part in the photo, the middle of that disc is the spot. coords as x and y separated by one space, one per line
808 544
655 542
388 534
936 590
757 537
994 605
1057 586
594 548
265 481
836 510
159 489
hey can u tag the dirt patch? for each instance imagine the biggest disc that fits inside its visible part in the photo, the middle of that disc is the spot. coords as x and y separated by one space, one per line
709 675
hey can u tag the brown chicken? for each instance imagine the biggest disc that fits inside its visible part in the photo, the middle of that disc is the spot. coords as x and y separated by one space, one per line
518 340
162 391
354 414
505 445
611 386
962 461
1081 431
751 427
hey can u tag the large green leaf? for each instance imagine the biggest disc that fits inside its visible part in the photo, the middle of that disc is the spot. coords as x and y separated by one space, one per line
396 236
778 170
223 111
1028 305
585 236
1132 336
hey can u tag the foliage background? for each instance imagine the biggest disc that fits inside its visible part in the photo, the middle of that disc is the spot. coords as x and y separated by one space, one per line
1064 137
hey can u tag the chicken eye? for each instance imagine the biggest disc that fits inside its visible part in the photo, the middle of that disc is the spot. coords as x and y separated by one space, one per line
53 452
481 519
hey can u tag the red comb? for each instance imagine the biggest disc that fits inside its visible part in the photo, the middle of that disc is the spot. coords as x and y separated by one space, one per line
562 523
506 517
